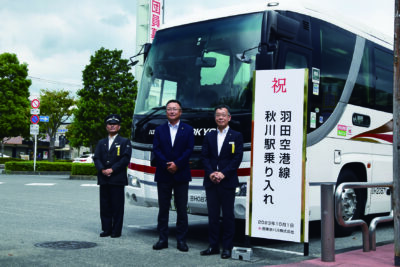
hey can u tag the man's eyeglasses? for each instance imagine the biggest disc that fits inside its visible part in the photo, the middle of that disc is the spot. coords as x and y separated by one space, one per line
173 109
223 115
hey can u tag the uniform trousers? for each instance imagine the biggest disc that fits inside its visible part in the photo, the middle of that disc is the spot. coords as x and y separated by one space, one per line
112 203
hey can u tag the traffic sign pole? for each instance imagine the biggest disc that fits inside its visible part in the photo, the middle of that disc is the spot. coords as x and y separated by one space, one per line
34 154
35 103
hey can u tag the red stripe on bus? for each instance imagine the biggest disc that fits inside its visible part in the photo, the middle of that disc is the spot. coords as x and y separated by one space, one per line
195 173
385 137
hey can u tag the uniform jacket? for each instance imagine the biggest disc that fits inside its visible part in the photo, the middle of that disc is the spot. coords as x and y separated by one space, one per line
179 153
116 158
228 160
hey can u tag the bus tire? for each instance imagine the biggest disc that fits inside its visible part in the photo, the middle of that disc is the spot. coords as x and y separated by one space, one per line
352 201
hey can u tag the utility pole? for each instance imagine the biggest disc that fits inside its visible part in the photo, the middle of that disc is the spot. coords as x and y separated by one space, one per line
396 136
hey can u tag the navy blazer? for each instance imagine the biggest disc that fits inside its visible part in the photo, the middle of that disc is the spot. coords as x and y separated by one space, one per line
179 153
116 158
228 160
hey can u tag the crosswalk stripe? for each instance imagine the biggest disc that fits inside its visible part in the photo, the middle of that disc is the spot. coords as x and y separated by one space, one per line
88 185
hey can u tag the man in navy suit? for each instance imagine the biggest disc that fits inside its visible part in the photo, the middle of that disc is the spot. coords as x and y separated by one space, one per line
221 154
111 159
172 146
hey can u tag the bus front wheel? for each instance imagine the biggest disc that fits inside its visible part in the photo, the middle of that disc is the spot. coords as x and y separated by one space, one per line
352 202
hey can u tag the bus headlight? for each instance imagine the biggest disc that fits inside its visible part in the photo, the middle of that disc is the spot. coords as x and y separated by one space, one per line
133 181
241 190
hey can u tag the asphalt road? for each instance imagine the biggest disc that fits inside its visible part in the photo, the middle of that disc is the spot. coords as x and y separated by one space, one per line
45 220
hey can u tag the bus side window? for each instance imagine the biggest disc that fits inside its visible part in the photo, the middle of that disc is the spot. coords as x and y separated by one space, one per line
384 81
363 93
336 47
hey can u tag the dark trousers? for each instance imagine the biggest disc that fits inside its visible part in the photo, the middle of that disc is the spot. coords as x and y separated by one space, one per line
220 198
164 200
112 202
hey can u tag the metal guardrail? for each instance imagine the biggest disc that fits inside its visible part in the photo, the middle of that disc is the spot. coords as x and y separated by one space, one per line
328 215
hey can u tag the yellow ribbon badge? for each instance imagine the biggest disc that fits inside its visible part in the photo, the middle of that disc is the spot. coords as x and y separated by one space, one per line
233 146
118 150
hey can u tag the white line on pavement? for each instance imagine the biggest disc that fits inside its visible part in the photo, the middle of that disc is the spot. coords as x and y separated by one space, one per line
40 184
94 185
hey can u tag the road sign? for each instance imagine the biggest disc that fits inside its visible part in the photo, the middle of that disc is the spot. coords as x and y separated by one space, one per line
35 111
35 119
44 118
34 129
35 103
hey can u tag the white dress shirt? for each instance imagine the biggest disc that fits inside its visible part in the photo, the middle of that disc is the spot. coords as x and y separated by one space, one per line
111 140
221 138
173 129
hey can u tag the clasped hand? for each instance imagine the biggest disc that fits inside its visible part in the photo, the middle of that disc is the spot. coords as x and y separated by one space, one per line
107 172
171 167
216 177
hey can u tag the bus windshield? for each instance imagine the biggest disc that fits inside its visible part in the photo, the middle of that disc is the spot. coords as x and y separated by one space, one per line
202 65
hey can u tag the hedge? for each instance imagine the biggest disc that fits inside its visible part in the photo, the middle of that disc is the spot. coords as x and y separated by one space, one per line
4 160
40 166
83 169
74 168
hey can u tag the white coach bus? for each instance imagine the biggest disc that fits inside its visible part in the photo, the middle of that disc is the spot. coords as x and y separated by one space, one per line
207 62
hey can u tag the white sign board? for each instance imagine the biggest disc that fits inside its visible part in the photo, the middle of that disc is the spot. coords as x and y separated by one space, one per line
35 111
34 130
278 186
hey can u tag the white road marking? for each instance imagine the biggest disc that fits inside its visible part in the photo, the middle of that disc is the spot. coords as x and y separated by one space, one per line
1 182
40 184
148 226
280 250
94 185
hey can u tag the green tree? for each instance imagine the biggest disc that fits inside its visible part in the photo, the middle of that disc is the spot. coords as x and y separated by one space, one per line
57 104
109 88
14 98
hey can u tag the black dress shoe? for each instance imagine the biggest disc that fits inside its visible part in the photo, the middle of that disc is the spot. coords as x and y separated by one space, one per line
209 251
182 246
226 254
105 234
160 245
115 235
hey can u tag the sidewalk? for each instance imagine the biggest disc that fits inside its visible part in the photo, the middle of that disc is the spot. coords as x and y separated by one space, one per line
383 256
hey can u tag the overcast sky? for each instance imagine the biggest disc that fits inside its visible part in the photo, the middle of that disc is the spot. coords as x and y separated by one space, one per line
57 37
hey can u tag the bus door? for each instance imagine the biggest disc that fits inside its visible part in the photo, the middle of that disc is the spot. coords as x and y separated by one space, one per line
291 56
